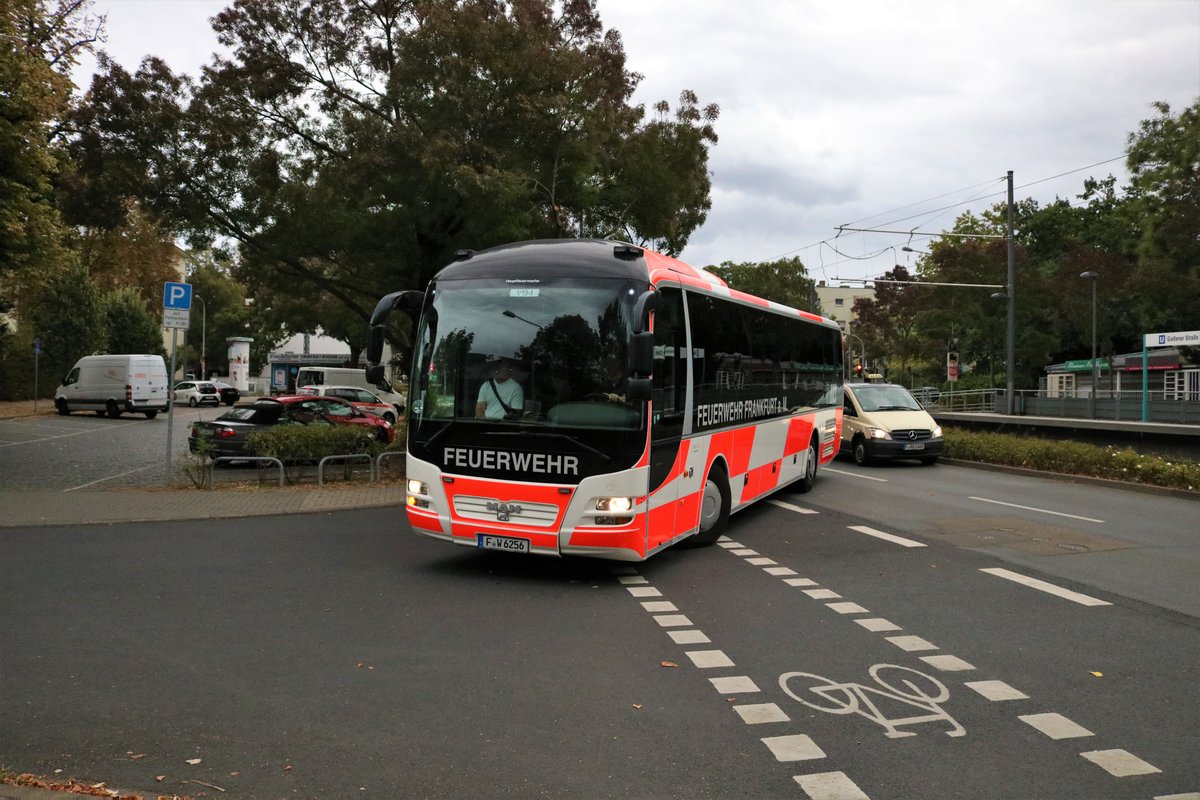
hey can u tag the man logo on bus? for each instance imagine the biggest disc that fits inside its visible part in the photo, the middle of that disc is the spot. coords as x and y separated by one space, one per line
504 510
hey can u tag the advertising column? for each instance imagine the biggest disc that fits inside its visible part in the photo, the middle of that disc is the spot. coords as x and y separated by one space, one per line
239 362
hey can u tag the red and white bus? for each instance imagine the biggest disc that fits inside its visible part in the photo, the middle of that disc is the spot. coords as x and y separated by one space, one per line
650 400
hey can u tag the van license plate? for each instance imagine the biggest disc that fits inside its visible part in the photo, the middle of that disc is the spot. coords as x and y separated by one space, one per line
915 446
508 544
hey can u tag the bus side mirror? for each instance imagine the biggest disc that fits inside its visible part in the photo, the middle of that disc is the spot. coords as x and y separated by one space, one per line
641 355
375 371
638 389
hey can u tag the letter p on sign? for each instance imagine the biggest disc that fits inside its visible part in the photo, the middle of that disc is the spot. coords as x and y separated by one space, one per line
177 295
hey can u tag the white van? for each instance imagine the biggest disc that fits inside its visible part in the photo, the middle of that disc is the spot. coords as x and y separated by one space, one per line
884 421
114 384
345 376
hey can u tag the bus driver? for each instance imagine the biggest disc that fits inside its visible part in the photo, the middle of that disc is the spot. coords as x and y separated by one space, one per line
500 397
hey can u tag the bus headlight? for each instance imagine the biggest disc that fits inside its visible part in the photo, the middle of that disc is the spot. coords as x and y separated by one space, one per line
878 433
617 505
937 431
615 510
418 494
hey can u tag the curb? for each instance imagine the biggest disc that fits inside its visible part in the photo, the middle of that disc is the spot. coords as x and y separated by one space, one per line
1144 488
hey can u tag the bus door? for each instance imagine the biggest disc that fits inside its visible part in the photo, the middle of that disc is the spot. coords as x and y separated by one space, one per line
668 458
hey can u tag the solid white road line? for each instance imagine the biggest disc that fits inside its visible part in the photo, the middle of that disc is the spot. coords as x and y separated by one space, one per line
1043 586
1038 510
887 537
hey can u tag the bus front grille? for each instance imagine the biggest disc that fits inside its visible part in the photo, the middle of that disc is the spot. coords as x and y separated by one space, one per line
491 509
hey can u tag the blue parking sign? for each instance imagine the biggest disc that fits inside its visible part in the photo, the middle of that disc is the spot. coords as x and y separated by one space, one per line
177 295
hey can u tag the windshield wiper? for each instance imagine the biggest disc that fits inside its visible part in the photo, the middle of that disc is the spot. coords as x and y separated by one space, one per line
573 440
896 408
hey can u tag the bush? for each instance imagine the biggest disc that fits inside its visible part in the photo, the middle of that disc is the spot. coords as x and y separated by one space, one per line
1072 458
300 443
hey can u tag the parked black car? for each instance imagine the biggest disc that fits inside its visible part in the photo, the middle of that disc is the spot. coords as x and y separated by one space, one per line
229 394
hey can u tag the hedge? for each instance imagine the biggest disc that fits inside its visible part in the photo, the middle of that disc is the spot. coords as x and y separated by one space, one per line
1072 458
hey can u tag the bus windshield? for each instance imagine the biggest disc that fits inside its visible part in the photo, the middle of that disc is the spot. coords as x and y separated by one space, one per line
544 354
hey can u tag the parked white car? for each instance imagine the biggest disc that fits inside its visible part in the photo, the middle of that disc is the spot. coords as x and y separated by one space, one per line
196 393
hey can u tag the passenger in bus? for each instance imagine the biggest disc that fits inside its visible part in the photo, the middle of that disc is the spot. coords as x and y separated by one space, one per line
500 397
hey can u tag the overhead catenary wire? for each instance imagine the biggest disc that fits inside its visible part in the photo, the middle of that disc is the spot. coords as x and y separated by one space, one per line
914 232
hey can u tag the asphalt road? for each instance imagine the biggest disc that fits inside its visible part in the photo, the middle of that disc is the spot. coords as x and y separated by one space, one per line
808 656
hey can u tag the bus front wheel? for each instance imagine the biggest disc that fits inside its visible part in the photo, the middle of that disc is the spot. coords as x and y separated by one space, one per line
810 468
714 509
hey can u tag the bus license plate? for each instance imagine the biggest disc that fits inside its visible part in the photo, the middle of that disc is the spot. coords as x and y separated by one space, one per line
915 446
506 543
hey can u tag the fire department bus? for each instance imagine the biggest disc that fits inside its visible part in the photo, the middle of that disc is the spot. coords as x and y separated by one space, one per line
588 397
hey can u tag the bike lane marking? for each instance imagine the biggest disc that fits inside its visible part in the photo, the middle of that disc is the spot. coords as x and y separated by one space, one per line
1118 763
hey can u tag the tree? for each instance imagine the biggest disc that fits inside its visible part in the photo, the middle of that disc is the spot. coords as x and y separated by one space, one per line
129 324
136 254
785 281
67 314
349 148
38 46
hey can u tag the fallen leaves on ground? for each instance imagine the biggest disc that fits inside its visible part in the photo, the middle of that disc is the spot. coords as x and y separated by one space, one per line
73 786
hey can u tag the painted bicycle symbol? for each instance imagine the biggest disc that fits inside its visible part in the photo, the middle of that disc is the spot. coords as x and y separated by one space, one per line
894 685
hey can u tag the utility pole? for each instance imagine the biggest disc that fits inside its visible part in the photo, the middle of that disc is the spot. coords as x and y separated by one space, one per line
1011 289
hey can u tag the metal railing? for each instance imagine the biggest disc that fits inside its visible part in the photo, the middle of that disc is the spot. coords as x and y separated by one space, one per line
1119 406
229 459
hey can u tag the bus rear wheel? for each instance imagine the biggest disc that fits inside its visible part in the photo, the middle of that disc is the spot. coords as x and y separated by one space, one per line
112 410
714 509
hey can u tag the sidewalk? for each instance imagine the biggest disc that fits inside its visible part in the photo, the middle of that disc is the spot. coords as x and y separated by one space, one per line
33 507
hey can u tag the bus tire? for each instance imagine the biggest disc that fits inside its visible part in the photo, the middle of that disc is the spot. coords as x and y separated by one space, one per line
112 409
809 480
714 509
61 405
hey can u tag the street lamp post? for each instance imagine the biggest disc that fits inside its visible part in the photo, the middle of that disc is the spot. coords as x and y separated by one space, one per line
203 334
1093 276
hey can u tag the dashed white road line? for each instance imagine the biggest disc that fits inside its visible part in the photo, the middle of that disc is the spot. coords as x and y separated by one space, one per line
996 691
1120 763
856 475
797 747
887 537
1056 726
1039 510
830 786
1043 586
790 507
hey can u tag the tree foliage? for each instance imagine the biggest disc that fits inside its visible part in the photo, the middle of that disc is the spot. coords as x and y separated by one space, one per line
349 148
38 46
129 324
785 280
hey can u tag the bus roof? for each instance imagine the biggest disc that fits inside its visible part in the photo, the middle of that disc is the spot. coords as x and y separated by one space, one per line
602 258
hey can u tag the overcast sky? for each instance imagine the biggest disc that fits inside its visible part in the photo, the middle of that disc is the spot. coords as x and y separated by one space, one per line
855 112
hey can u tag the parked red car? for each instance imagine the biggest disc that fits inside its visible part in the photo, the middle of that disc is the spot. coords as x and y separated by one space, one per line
227 433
